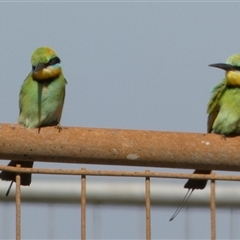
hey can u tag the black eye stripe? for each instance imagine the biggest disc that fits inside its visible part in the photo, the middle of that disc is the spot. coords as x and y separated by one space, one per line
53 61
236 68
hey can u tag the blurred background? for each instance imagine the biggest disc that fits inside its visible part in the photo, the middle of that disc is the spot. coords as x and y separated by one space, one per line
129 65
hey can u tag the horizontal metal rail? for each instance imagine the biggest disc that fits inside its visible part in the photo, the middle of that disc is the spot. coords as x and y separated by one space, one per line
114 192
112 173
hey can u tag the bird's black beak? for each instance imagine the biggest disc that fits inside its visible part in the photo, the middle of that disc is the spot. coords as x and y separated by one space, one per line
39 67
223 66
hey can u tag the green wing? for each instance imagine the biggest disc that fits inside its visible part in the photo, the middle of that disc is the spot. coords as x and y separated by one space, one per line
213 105
22 93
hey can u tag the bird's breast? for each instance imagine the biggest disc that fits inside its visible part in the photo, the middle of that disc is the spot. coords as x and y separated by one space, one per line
46 73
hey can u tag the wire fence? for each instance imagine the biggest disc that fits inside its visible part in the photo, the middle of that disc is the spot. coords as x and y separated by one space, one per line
147 174
119 147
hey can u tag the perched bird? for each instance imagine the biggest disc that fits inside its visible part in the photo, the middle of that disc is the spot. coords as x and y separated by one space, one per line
223 115
41 101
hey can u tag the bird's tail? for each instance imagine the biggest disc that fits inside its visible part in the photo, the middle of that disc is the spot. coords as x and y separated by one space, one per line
11 176
186 197
197 183
191 184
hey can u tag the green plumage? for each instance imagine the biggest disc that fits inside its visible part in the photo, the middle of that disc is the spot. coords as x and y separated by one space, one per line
224 105
223 115
224 118
223 109
40 103
41 100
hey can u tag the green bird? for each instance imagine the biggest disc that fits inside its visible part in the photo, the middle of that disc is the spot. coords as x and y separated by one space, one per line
223 115
41 101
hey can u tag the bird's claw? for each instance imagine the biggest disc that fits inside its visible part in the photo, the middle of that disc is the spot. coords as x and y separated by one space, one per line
223 137
59 127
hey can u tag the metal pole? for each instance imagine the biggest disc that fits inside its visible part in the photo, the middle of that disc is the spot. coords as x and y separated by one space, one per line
18 205
120 147
83 207
148 207
213 210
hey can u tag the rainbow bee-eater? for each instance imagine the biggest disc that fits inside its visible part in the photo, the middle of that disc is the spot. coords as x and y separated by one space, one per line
223 114
41 101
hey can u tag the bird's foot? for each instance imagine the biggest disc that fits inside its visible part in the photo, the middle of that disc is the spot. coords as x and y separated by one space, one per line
223 137
59 127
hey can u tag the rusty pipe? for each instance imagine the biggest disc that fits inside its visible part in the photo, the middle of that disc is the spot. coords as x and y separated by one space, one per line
120 147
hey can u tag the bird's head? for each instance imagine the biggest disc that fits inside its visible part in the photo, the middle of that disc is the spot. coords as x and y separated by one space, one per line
232 68
45 64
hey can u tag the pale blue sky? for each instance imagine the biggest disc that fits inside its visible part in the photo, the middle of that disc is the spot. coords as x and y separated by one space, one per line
133 65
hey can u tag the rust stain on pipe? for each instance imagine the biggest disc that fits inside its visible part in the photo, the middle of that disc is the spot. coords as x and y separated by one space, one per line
120 147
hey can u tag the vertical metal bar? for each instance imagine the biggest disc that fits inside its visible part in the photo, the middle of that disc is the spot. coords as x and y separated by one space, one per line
213 210
18 204
148 207
83 206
